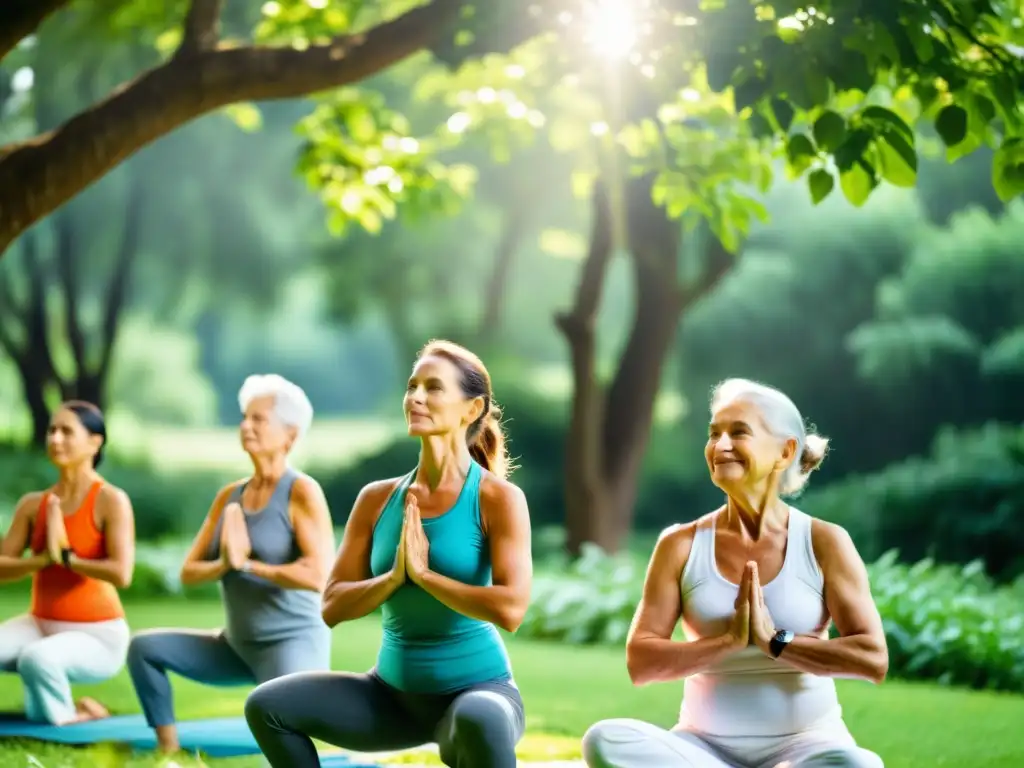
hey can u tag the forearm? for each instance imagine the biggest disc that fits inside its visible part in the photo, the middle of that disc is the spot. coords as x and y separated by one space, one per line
855 656
295 575
348 600
14 568
197 572
656 660
499 605
116 572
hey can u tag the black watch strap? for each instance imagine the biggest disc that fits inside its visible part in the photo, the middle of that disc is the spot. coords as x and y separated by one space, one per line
65 557
779 641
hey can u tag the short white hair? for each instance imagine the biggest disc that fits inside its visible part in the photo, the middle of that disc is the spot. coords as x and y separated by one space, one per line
291 406
783 419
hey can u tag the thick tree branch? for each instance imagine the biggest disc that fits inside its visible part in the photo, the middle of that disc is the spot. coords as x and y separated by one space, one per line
20 18
39 175
202 26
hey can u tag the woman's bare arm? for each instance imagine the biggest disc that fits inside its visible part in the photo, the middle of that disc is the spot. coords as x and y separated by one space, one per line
504 602
13 563
196 568
352 592
860 651
117 519
314 534
652 655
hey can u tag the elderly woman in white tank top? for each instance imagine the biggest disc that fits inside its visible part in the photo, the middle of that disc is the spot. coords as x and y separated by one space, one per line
756 584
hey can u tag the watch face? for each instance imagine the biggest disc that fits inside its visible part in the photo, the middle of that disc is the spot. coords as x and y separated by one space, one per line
785 636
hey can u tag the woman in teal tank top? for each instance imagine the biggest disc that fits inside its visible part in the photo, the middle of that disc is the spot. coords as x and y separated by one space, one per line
445 552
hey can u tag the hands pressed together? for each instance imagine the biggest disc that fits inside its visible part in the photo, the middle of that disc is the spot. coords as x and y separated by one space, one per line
752 624
235 546
411 559
56 533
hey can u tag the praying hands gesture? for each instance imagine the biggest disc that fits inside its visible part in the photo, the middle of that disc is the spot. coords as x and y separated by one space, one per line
411 560
56 533
752 623
415 538
235 546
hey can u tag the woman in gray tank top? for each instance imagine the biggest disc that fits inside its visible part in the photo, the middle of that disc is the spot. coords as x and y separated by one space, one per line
756 584
269 541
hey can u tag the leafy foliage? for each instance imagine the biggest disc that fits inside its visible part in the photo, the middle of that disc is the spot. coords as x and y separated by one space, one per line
942 622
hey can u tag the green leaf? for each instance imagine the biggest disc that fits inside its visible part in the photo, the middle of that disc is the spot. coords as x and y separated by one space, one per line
821 183
760 128
1008 169
887 119
951 124
897 159
829 131
853 147
748 92
800 153
245 115
783 112
856 184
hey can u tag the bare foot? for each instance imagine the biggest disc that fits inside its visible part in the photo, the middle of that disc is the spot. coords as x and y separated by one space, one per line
90 709
167 739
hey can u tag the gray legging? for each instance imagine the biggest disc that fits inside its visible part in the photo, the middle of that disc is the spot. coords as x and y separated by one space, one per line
208 657
477 727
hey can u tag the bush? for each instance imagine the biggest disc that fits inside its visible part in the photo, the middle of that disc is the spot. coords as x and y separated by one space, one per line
965 501
942 622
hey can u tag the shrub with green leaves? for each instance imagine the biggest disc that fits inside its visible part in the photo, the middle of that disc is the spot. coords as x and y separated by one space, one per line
942 622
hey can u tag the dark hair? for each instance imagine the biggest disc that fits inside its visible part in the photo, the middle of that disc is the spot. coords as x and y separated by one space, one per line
485 436
92 419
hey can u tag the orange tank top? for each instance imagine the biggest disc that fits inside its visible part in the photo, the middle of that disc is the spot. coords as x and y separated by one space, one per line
60 594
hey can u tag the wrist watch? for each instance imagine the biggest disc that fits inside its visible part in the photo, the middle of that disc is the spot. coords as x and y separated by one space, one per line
65 557
779 641
246 567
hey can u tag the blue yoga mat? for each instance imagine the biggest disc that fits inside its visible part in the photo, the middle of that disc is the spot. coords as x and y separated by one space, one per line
221 737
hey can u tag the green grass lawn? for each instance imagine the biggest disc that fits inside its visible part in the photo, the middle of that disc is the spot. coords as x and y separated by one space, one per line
567 688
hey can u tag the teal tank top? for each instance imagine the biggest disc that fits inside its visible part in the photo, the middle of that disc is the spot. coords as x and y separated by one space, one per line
427 647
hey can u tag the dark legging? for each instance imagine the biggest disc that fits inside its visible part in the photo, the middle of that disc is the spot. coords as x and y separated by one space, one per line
477 727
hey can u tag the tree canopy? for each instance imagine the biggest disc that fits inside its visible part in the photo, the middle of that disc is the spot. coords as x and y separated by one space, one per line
703 94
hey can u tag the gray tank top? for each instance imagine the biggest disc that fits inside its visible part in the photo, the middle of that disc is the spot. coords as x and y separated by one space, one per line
256 610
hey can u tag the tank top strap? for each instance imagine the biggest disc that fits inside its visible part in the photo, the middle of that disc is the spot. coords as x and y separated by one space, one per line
700 564
471 494
801 548
281 498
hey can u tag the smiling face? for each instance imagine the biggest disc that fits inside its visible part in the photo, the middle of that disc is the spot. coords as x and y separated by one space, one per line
435 403
742 454
68 442
262 432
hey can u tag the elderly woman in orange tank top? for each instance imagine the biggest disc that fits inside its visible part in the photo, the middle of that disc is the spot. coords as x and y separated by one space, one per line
77 542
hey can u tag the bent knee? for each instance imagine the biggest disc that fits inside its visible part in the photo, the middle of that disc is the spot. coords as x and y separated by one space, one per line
479 715
602 738
843 757
144 647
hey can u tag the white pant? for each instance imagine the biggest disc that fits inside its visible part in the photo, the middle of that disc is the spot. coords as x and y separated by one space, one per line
50 655
625 743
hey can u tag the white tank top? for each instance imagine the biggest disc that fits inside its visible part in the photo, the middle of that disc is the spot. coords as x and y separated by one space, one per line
749 693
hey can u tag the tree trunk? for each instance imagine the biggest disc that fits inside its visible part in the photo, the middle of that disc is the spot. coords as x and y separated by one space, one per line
610 427
513 223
